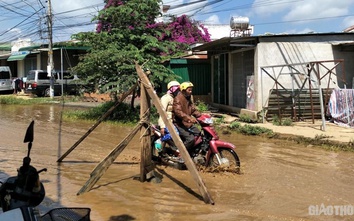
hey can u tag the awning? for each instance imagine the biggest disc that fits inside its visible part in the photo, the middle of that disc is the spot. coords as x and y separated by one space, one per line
17 57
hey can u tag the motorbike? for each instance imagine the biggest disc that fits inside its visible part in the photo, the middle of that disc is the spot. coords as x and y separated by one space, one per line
208 151
20 195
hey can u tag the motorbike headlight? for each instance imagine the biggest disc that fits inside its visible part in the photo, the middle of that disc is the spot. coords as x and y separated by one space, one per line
208 121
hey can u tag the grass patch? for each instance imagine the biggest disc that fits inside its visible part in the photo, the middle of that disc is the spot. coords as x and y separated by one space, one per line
245 118
123 113
281 122
15 100
320 141
201 106
248 129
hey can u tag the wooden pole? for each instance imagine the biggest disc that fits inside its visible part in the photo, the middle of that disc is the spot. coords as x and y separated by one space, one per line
146 165
124 95
188 161
99 170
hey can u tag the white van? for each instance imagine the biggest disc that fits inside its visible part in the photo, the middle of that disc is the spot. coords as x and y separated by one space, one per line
5 79
38 83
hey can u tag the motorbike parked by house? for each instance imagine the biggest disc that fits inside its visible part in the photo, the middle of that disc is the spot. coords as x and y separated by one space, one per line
21 194
208 151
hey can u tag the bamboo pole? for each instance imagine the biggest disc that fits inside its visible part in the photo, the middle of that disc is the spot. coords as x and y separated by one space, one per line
146 153
188 161
99 170
124 95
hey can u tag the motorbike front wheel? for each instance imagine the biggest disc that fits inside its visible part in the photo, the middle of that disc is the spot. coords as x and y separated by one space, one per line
232 162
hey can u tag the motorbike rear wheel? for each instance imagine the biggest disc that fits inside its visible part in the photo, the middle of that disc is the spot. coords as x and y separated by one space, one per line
233 164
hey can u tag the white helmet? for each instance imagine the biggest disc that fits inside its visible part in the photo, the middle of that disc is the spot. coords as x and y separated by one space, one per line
172 83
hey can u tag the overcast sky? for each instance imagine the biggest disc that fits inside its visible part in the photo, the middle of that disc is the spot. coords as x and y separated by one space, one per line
23 18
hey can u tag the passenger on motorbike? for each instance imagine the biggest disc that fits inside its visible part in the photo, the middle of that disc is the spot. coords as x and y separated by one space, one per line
184 112
173 88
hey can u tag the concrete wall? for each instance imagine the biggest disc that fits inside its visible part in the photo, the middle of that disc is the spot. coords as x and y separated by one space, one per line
286 53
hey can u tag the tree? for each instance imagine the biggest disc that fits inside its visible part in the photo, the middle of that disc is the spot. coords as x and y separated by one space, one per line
127 32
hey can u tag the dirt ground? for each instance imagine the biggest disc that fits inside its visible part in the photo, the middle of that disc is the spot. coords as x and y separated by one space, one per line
331 131
328 130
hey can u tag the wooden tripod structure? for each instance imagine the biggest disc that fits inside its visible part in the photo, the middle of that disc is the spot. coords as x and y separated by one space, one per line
147 167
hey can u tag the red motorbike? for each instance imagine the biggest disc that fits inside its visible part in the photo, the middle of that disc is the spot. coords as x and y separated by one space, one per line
208 151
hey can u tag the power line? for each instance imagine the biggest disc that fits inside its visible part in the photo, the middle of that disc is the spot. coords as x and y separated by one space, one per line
19 23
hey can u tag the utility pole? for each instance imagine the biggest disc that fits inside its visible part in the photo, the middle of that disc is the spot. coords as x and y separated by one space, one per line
50 50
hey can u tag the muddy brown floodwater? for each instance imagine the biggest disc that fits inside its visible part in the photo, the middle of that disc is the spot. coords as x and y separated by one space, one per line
279 180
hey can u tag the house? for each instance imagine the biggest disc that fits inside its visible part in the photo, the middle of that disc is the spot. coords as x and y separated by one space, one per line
22 56
248 72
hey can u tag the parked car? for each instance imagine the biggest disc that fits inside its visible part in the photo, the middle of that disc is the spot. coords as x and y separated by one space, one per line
38 83
5 79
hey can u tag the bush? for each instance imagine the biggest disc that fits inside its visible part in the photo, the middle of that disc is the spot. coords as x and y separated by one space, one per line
284 122
245 118
201 106
248 129
123 113
235 125
287 122
254 130
219 120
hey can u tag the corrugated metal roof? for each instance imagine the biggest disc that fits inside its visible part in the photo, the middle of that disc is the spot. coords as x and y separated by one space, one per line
232 43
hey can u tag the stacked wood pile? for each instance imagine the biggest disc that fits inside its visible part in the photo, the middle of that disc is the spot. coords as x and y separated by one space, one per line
297 104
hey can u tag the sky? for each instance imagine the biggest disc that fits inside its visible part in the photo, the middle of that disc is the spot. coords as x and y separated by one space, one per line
26 19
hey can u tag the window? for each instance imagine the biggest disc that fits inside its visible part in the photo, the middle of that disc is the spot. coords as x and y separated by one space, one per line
5 75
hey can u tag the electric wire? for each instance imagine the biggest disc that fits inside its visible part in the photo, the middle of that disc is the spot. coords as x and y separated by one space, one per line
68 22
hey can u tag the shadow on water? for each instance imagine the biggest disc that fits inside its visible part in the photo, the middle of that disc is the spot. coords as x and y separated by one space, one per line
109 183
123 217
180 184
96 162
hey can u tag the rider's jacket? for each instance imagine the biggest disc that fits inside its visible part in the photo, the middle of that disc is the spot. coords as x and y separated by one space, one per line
183 110
167 102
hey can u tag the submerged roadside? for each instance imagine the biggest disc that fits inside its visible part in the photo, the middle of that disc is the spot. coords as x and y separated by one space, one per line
332 137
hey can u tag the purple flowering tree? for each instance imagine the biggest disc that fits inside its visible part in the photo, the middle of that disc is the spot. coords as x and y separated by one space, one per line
127 32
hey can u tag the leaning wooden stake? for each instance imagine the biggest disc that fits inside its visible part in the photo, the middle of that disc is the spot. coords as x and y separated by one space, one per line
146 165
99 170
188 161
98 122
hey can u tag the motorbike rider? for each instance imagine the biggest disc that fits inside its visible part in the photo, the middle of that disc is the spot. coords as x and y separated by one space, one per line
184 112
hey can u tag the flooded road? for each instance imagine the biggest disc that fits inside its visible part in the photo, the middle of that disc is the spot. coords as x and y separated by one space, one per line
279 180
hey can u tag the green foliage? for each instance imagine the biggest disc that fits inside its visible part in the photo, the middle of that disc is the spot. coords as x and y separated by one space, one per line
219 120
248 129
235 125
43 100
201 106
254 130
127 33
275 120
287 122
245 118
123 113
283 122
123 38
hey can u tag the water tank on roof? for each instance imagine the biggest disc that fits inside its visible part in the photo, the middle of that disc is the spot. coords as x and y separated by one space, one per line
239 23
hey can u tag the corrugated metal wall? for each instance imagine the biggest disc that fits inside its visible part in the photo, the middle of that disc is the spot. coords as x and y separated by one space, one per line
221 76
243 66
196 71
